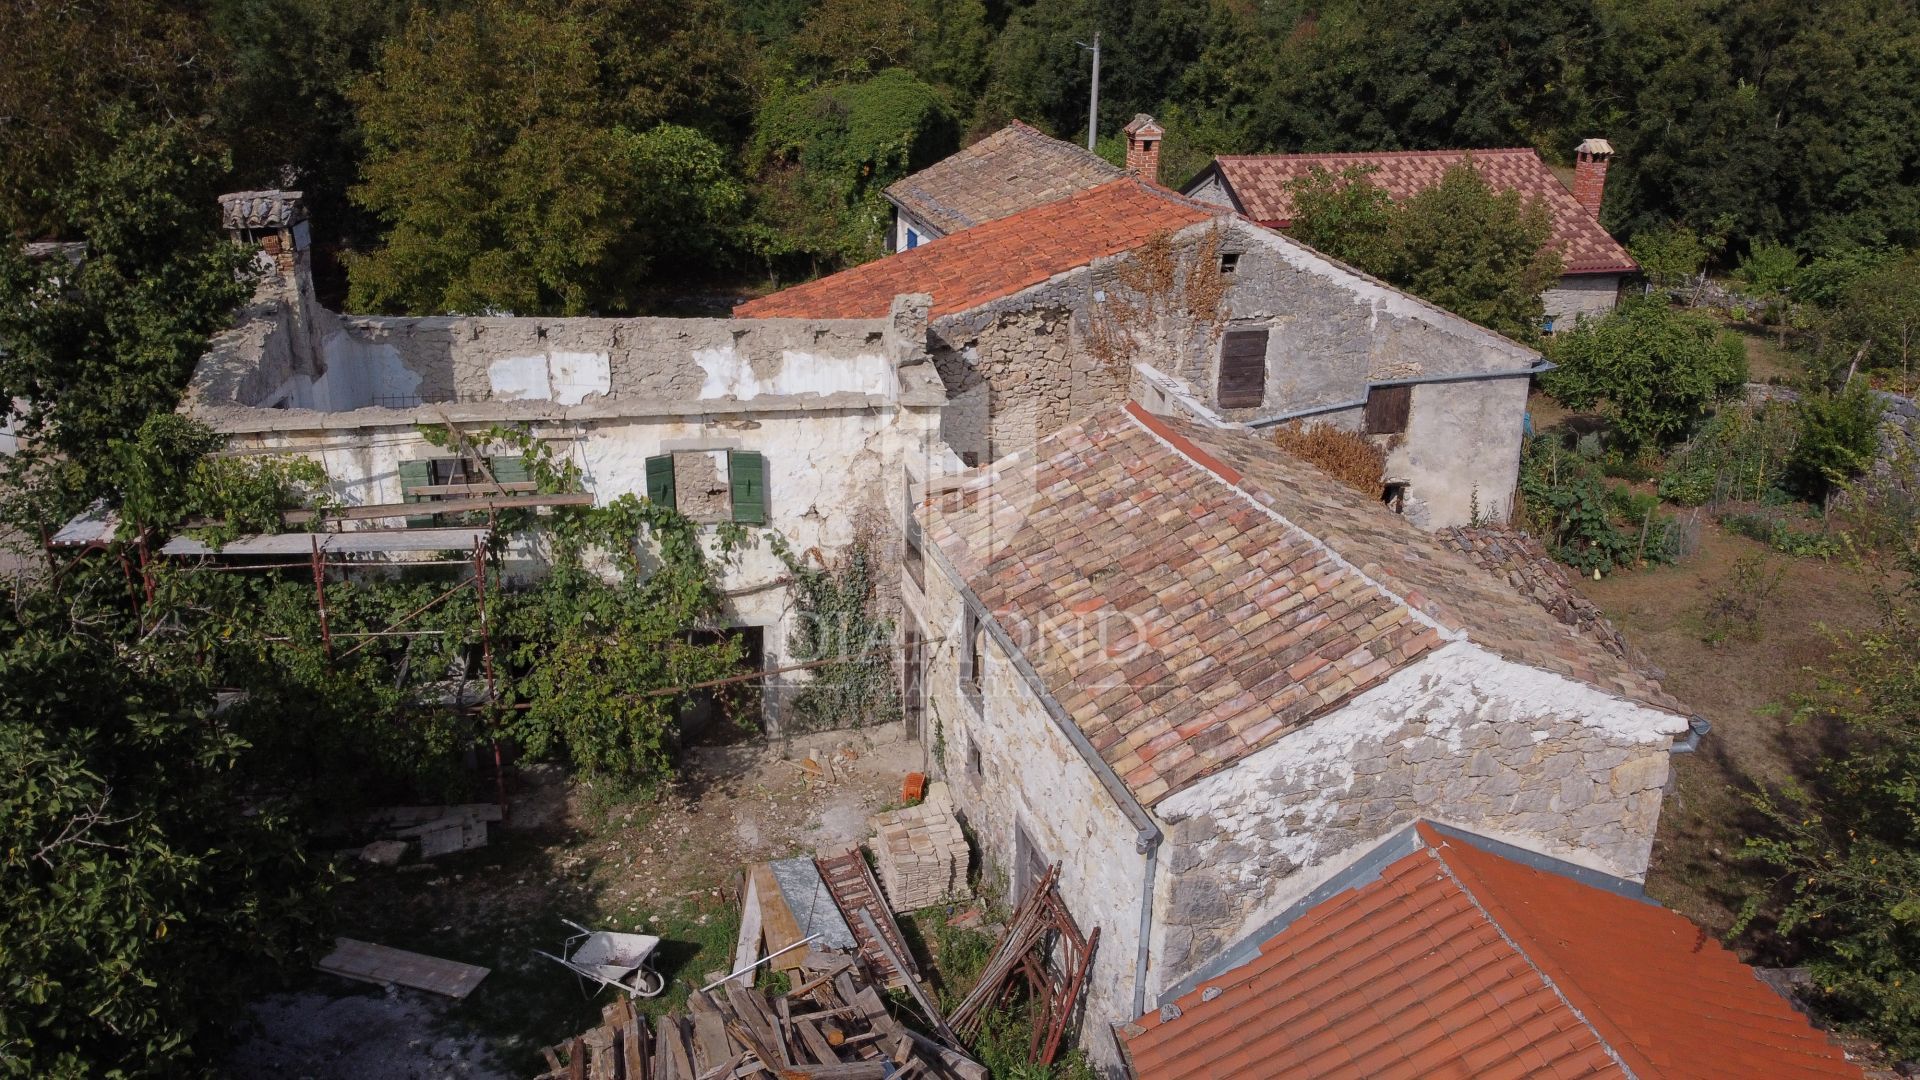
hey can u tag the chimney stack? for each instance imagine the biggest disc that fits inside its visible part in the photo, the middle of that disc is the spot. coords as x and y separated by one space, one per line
1143 147
275 221
1590 160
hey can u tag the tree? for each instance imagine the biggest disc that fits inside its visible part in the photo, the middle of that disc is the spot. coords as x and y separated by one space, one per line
1846 848
1877 321
822 157
1674 256
516 149
78 77
942 42
1344 215
1771 271
88 351
1479 253
148 885
1652 369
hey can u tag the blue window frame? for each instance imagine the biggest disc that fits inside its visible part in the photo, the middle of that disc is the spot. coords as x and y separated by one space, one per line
913 239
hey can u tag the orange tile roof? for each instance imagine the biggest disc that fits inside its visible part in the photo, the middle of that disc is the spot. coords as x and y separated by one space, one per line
1192 595
1459 962
1000 258
1259 183
1013 169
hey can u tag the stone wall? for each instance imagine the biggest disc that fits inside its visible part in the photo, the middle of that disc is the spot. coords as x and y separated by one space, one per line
1030 778
1462 737
1579 296
1025 365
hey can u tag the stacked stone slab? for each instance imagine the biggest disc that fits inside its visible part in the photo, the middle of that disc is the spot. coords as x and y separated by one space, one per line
921 852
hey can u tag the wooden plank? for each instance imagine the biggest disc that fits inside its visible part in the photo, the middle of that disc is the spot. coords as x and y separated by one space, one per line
709 1033
846 1070
945 1060
381 964
753 1015
577 1058
442 506
927 1007
815 1042
777 925
473 489
634 1055
746 949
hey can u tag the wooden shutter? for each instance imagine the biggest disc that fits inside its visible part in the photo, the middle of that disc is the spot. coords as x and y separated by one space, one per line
416 474
1243 369
1387 408
660 480
509 469
747 477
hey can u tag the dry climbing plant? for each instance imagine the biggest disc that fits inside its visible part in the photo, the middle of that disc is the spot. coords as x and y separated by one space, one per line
1158 293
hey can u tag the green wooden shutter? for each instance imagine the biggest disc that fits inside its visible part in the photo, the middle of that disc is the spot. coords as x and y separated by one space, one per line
509 469
660 480
747 476
415 474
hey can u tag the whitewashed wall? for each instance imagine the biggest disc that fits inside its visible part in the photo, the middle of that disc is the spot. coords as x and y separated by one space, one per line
1581 295
1462 737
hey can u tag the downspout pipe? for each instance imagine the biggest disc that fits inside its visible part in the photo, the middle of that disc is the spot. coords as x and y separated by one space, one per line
1147 834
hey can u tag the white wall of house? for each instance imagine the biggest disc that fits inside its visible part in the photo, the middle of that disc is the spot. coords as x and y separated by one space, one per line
1032 778
1464 737
909 231
1578 296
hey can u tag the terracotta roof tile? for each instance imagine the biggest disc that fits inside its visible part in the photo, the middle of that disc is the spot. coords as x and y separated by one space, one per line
997 259
1260 181
1184 622
1016 168
1458 962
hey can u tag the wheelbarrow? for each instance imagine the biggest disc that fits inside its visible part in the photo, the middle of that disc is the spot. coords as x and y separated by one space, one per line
611 959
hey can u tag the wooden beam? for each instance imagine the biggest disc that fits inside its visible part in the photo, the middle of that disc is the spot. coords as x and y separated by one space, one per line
444 506
473 489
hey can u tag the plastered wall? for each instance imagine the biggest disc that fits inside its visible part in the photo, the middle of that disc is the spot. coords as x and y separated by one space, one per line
1464 737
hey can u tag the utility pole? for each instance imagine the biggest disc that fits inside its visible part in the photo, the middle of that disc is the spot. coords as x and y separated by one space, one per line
1093 102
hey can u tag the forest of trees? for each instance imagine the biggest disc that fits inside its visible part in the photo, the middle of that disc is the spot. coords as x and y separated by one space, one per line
575 156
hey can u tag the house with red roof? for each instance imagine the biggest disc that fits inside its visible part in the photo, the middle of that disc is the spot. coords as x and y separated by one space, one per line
1126 290
1204 677
1443 953
1594 263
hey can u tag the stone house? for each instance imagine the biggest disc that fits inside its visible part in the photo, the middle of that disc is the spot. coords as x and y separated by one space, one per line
1594 263
1444 953
1127 290
1016 168
1204 677
805 428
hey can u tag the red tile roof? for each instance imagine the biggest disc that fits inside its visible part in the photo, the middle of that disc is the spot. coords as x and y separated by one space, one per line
1192 595
1016 168
1458 962
1000 258
1259 184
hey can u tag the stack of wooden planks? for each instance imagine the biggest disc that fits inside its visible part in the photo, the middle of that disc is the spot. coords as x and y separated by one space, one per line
832 1026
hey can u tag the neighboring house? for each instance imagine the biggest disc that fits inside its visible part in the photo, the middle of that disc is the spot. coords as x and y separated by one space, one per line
1016 168
1127 290
1594 262
804 427
1443 953
1204 676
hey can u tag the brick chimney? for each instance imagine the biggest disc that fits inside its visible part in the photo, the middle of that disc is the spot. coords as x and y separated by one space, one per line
1143 147
1590 160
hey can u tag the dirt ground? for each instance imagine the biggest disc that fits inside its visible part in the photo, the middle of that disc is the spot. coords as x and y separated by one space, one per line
665 865
1746 686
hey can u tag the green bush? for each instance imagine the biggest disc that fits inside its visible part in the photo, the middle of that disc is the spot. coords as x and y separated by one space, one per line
1839 434
1652 369
1580 519
1778 532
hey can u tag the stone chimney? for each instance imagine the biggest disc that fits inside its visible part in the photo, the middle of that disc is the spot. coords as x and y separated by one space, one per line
276 222
1143 147
1590 160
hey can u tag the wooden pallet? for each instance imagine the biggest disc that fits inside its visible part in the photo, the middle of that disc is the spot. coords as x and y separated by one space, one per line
855 890
372 963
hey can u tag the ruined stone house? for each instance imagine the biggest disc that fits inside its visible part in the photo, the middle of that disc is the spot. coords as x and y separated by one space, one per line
1205 678
803 427
1593 264
1129 291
